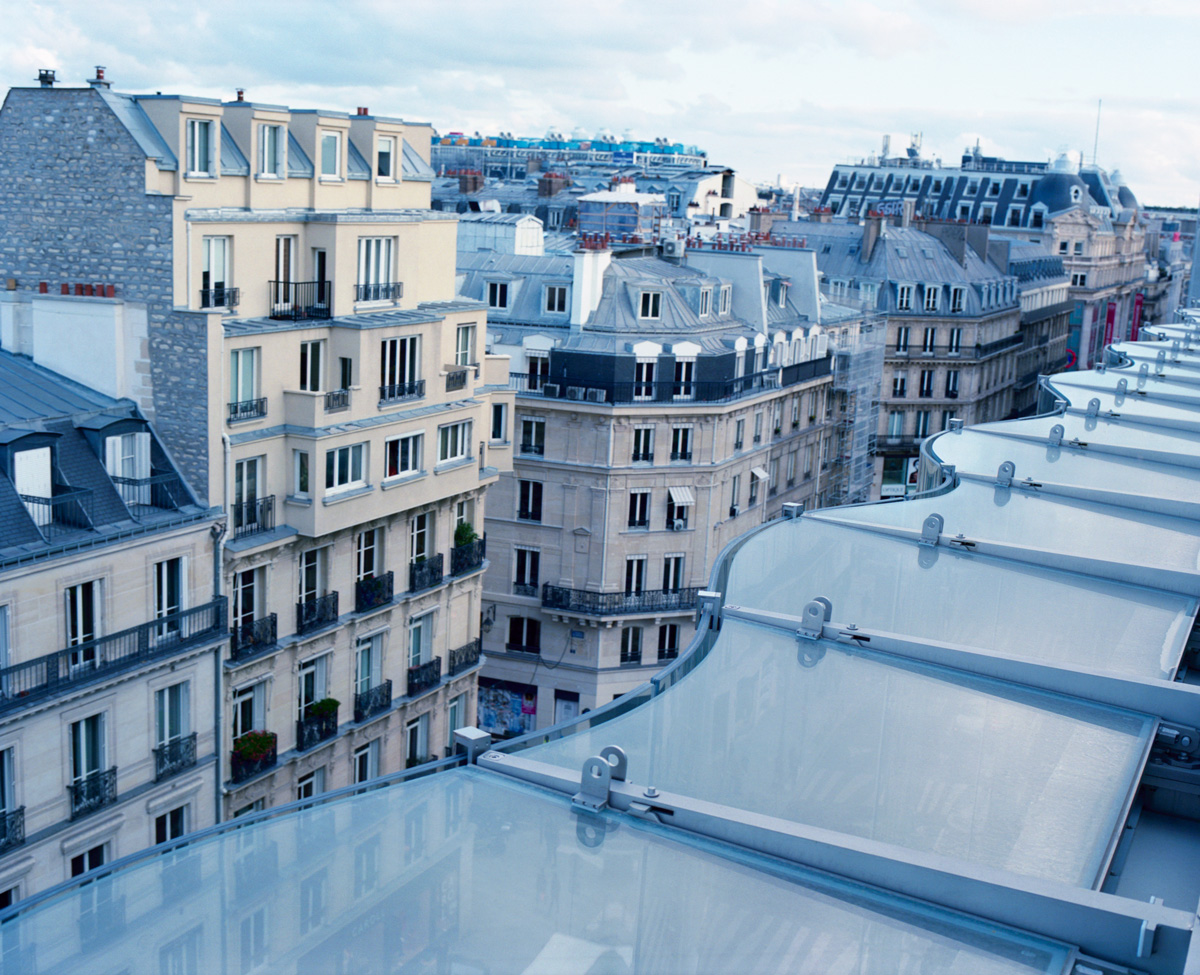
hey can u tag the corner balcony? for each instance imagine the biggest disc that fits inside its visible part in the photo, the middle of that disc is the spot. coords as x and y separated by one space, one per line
92 792
312 614
398 392
469 557
587 603
247 409
56 673
424 676
174 756
464 658
253 516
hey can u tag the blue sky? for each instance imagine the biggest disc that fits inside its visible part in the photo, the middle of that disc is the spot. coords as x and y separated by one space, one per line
767 87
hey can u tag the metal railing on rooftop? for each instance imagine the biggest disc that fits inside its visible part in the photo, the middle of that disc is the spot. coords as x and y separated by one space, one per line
300 300
70 509
590 603
162 489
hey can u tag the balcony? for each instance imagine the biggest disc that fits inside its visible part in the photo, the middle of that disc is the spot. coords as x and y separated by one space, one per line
379 292
247 409
425 574
525 589
298 301
468 558
163 490
253 752
319 723
373 701
464 658
69 510
588 603
312 614
337 400
402 391
456 379
12 828
253 637
424 676
92 792
220 297
172 757
253 516
55 673
373 592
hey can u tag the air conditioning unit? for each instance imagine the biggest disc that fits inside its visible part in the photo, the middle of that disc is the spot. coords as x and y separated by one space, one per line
597 395
673 247
551 390
575 392
678 525
733 511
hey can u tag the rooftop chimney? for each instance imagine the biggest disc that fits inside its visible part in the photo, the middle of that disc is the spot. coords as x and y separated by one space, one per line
98 81
46 77
872 227
363 110
241 94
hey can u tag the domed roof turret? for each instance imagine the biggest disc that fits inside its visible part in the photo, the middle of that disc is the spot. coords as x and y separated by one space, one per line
1059 190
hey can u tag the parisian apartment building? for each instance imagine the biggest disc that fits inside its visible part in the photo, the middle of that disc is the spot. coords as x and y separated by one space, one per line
270 289
664 406
112 634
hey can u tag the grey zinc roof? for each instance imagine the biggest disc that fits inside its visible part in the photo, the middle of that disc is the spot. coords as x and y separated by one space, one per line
357 166
526 276
233 160
135 119
413 166
30 392
298 164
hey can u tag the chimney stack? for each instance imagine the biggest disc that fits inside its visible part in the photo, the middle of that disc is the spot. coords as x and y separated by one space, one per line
98 81
872 228
362 110
241 94
46 77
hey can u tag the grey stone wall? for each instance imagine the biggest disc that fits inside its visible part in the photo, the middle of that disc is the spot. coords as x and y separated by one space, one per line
74 208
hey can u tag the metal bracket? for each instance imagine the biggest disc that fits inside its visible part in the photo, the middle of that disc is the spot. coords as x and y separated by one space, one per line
1143 371
931 530
1122 387
1056 435
708 601
1160 362
1093 407
813 618
1145 945
1007 471
596 779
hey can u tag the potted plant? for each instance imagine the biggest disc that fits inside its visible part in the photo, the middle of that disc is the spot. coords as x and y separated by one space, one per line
254 746
323 707
464 534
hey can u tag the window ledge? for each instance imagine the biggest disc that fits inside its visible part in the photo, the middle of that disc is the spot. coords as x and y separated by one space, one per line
452 465
330 179
499 444
268 178
200 177
386 181
298 500
394 482
337 497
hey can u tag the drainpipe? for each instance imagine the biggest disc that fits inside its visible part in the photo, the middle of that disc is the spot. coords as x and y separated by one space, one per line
218 533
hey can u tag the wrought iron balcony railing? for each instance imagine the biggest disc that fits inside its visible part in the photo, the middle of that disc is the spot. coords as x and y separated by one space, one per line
643 457
247 409
373 592
312 729
296 301
525 589
539 449
379 292
314 613
220 297
590 603
159 490
337 400
425 574
12 828
469 557
373 701
174 756
255 515
681 455
521 648
93 791
70 509
253 637
55 673
424 676
456 379
400 391
464 657
243 765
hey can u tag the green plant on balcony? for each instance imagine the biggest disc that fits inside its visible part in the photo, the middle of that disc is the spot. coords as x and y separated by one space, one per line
322 708
464 534
254 746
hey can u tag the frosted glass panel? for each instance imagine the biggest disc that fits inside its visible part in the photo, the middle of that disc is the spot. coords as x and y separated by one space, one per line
468 874
955 597
857 743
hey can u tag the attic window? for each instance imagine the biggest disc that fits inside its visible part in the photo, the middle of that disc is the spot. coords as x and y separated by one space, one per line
497 294
705 302
901 252
651 307
1076 195
825 249
783 290
726 295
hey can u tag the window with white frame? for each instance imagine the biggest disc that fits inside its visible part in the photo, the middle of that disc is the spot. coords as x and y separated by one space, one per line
926 388
668 641
301 475
127 456
643 379
650 306
895 424
929 340
307 786
685 372
922 423
368 664
199 147
791 468
526 570
385 157
681 443
635 573
402 455
83 621
271 142
456 716
954 346
400 367
902 334
529 500
243 375
311 579
735 491
374 269
705 302
368 554
643 444
312 683
931 296
904 297
639 509
464 345
215 272
556 299
420 639
366 766
310 365
454 441
524 634
500 422
416 741
672 572
88 746
497 294
899 385
345 468
419 531
726 298
631 645
331 154
952 383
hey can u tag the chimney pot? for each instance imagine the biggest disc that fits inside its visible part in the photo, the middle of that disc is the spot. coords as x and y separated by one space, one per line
43 287
65 289
99 72
79 289
87 290
241 94
46 77
110 291
98 81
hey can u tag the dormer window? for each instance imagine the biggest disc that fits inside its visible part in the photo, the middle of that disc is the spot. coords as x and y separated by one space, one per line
651 305
783 290
705 302
726 298
931 296
497 294
127 457
199 147
904 297
385 166
271 140
31 473
331 154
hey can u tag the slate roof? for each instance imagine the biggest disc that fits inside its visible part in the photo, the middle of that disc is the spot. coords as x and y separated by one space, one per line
29 393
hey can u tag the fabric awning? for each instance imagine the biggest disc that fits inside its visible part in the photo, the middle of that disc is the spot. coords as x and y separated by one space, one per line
681 495
759 473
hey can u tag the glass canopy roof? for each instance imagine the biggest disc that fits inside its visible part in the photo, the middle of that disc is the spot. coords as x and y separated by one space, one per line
469 873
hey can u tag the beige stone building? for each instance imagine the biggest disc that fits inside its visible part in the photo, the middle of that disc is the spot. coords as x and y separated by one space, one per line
111 635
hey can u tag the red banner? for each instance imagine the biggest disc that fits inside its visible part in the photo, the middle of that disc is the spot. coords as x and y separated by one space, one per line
1137 316
1110 319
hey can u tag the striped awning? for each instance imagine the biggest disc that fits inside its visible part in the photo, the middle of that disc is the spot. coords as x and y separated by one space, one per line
681 495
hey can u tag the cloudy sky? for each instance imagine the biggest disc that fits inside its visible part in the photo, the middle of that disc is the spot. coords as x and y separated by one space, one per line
767 87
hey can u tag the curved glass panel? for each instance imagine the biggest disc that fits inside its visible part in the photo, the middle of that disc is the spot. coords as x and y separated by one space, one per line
469 874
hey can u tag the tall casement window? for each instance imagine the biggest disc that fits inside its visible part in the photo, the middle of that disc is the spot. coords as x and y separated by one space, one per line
524 634
170 590
529 500
374 268
331 154
243 377
643 379
419 531
87 747
454 441
83 621
310 365
250 709
400 367
368 554
385 157
199 147
271 140
214 273
464 348
639 509
172 713
312 575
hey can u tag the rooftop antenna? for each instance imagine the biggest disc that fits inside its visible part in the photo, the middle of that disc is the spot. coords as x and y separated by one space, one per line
1096 144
